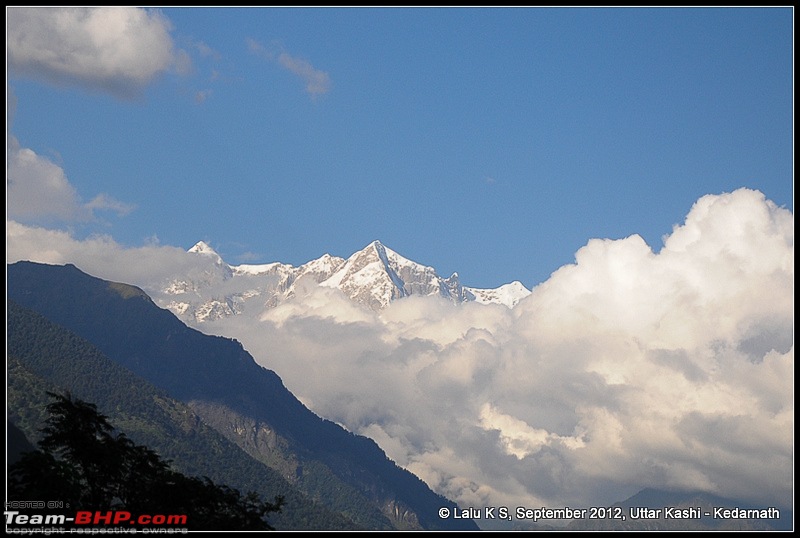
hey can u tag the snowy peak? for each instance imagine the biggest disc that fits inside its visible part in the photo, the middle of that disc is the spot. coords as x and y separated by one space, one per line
310 273
507 294
325 265
370 276
375 276
201 247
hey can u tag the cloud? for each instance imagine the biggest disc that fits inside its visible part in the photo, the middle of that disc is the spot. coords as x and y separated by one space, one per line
317 82
104 202
118 50
38 191
258 49
99 255
202 95
206 51
518 438
626 369
36 187
210 62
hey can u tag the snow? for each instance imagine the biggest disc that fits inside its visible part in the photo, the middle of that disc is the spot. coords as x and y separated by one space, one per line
201 247
326 265
508 294
373 277
266 268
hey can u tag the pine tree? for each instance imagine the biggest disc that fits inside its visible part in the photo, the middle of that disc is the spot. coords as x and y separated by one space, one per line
82 462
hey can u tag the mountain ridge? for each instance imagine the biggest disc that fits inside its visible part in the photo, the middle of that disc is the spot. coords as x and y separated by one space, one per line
216 376
44 356
373 277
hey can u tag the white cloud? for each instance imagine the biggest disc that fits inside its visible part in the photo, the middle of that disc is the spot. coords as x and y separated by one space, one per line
99 255
624 370
105 202
38 191
37 187
119 50
317 82
518 438
627 369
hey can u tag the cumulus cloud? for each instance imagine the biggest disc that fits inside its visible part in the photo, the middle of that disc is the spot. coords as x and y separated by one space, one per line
146 266
38 191
627 369
36 186
317 82
517 437
118 50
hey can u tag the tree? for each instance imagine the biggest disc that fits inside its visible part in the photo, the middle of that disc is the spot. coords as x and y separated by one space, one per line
83 462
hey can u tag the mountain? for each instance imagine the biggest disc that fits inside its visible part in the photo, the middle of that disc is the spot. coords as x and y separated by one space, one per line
43 356
248 404
16 443
373 277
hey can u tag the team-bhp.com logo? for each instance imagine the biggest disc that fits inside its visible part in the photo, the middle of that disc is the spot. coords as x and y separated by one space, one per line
94 518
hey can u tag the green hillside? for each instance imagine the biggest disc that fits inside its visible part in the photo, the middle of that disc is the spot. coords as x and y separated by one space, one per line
45 357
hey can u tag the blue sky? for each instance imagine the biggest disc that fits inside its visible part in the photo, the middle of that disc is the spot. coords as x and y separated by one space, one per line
492 142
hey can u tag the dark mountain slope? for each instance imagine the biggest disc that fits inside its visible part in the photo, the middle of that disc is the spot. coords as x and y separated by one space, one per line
43 356
16 443
223 383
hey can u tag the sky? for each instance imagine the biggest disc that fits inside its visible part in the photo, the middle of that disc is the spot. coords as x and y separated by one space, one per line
633 166
489 142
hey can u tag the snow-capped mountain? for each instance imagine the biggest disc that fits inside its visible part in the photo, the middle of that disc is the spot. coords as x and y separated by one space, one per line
376 276
373 277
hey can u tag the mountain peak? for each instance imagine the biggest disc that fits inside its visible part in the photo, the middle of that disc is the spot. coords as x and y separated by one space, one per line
232 397
201 247
376 248
508 294
374 277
